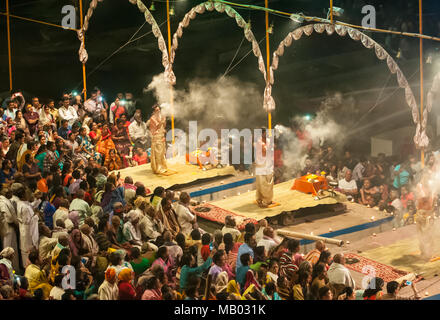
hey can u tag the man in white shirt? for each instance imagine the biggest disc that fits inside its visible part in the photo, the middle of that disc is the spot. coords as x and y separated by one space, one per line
348 185
138 132
338 273
11 109
68 112
185 217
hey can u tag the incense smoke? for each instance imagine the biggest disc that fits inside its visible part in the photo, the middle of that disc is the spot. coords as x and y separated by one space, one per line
222 103
327 127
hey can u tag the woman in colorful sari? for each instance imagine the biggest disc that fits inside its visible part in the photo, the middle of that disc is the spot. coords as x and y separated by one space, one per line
76 243
6 268
41 154
165 261
126 289
233 288
36 276
152 291
112 161
102 138
88 149
120 138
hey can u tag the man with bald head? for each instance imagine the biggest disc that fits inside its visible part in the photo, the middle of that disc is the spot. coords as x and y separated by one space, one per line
268 241
313 256
338 273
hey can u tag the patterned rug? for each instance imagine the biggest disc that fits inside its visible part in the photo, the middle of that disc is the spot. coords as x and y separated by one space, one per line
367 266
213 213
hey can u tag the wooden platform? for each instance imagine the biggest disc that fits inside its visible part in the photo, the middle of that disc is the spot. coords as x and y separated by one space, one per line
186 175
290 200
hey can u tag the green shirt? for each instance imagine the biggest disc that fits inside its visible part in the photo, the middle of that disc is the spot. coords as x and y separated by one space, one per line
139 268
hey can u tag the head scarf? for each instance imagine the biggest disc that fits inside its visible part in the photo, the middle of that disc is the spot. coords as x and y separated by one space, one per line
250 279
74 217
125 275
7 253
110 274
221 282
75 246
133 215
141 202
232 288
122 253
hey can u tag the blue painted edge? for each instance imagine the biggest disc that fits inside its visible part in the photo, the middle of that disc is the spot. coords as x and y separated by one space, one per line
352 229
434 297
222 187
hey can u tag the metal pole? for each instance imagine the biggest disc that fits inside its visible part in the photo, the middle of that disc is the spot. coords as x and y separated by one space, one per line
9 45
171 87
83 42
269 114
331 11
422 155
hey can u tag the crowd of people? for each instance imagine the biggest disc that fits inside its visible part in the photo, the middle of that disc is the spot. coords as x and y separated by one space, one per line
397 185
71 230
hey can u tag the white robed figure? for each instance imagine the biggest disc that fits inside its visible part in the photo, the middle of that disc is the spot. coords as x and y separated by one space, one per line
9 225
264 168
28 226
156 125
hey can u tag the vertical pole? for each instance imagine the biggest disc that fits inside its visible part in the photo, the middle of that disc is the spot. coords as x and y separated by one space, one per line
422 156
266 5
171 87
331 11
9 45
83 42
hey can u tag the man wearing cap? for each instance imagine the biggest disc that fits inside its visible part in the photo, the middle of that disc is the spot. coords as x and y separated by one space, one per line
156 125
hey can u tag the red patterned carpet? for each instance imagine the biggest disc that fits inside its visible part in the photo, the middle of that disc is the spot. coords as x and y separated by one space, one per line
368 266
213 213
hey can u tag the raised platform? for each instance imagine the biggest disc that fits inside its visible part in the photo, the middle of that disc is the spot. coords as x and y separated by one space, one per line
289 200
187 175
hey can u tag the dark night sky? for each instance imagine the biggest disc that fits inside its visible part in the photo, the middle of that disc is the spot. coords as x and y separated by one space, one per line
45 59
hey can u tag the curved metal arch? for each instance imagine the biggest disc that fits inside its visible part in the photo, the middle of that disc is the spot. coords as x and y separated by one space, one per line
221 8
83 56
420 137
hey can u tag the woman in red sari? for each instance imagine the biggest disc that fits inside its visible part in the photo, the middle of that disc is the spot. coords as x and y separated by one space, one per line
120 138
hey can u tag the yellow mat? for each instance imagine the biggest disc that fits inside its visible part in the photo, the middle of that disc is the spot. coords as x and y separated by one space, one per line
186 173
405 255
288 199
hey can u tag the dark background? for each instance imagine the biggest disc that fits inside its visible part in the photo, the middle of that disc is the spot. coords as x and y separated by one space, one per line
45 59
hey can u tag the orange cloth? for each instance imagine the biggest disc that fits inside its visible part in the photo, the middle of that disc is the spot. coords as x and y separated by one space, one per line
42 185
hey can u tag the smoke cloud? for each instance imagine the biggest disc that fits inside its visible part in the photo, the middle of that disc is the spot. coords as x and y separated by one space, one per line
221 103
328 127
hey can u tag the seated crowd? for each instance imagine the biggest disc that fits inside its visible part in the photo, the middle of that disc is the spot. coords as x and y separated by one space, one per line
70 230
401 187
